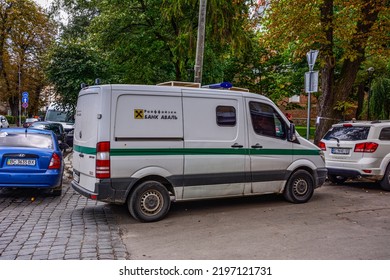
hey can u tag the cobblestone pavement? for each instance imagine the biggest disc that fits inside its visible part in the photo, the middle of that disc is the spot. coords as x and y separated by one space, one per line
37 226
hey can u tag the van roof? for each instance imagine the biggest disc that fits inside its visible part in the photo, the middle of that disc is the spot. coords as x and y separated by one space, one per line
178 89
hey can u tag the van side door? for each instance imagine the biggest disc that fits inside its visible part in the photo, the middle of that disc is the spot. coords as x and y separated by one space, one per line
215 162
270 152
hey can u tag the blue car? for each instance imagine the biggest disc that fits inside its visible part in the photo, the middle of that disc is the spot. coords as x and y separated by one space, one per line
30 158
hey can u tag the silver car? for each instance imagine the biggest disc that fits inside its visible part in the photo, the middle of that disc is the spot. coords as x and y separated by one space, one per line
358 150
3 122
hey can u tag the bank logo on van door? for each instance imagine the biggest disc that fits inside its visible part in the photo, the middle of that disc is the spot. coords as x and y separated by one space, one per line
138 114
143 114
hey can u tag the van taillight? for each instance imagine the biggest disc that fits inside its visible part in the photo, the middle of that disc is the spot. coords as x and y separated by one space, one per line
322 146
103 160
369 147
55 162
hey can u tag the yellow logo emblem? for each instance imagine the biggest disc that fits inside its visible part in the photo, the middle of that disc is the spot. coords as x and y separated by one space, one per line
139 114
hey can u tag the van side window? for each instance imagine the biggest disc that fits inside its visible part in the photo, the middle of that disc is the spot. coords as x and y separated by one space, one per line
266 121
226 116
385 134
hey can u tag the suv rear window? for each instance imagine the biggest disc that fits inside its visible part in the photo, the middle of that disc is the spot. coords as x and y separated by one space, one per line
348 133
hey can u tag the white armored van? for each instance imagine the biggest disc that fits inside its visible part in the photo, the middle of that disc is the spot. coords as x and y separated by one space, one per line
148 146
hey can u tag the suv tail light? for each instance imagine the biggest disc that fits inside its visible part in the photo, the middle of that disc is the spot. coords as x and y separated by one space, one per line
368 147
55 162
322 146
103 160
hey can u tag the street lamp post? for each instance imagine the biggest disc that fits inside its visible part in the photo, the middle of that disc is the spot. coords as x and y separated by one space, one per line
370 72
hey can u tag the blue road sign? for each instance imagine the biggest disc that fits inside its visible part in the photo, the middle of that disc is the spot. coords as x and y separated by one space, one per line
24 99
25 94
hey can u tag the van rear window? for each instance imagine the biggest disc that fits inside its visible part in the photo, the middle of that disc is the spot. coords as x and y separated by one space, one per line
351 133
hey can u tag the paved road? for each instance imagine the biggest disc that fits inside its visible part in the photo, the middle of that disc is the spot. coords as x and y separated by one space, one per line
340 222
36 226
349 222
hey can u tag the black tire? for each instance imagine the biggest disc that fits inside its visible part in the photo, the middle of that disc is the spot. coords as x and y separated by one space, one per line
335 179
385 183
149 202
300 187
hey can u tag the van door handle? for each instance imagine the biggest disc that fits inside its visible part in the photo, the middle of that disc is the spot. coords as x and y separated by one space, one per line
257 146
81 155
236 145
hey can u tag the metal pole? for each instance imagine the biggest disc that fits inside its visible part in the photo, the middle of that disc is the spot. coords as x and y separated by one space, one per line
370 72
20 101
200 42
308 108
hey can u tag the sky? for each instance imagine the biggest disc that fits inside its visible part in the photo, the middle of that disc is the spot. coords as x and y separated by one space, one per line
43 3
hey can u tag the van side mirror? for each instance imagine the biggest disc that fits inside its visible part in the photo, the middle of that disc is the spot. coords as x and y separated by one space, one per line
291 136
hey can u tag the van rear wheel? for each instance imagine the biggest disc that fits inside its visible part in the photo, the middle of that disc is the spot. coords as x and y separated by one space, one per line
150 202
300 187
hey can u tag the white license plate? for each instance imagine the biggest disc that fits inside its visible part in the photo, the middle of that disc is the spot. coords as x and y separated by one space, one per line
76 177
340 151
20 162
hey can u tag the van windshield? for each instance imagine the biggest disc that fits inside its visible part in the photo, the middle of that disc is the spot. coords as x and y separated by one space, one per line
58 116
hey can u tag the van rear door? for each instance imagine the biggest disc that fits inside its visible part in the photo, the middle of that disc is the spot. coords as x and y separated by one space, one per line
86 137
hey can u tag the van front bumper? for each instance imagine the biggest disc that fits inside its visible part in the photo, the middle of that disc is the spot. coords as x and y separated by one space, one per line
321 174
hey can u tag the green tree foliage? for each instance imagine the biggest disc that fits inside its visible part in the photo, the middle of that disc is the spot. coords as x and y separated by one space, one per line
25 34
345 32
380 98
69 66
150 41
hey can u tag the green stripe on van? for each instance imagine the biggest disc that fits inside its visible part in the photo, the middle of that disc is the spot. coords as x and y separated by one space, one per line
84 150
198 151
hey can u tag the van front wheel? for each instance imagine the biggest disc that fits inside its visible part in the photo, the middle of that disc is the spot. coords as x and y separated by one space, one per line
300 187
149 202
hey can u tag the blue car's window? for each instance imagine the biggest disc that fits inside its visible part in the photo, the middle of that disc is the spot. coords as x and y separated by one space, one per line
25 140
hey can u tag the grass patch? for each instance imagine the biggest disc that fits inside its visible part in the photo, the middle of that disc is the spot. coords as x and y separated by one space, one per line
303 129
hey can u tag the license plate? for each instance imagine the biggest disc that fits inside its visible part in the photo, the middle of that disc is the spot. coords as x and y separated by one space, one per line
340 151
76 177
20 162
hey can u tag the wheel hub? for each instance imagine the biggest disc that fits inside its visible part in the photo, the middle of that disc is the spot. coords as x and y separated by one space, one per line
151 202
300 187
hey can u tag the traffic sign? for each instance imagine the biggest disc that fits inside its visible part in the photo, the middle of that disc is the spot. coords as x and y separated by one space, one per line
25 94
24 105
24 99
311 81
311 58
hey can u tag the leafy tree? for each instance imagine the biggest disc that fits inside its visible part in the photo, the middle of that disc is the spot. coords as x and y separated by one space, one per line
345 32
71 64
25 33
145 41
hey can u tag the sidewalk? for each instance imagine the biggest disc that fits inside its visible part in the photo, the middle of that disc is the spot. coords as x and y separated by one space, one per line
35 226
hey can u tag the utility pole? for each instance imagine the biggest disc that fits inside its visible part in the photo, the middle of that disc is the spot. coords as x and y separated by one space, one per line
19 94
200 42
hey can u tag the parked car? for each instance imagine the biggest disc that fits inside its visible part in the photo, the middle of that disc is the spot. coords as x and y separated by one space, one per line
30 158
358 150
57 128
29 121
3 122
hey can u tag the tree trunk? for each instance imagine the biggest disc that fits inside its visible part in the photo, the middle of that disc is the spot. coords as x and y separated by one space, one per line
360 96
343 87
